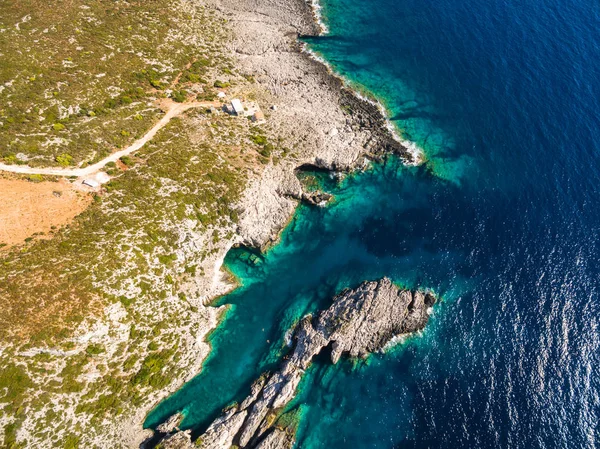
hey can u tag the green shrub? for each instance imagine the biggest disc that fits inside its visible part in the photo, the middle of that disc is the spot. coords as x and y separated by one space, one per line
58 127
10 159
71 442
156 84
125 301
206 96
179 95
221 84
167 259
14 382
127 161
64 160
10 436
265 151
129 363
36 178
258 139
151 368
111 103
94 349
202 62
190 77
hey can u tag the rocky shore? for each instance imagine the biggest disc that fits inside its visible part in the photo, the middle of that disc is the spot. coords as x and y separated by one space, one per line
359 322
328 126
150 336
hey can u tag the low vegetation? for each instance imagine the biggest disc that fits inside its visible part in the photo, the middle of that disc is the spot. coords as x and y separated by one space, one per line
125 251
78 78
95 320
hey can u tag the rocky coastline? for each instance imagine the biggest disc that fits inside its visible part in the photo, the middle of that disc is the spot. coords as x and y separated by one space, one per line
329 126
175 259
359 322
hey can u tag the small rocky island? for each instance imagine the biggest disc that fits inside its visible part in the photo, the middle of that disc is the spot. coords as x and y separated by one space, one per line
359 322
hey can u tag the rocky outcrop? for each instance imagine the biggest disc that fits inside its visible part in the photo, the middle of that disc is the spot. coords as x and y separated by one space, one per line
359 322
315 198
170 425
326 124
368 117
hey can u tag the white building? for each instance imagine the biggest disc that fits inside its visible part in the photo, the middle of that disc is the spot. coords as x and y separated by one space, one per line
237 106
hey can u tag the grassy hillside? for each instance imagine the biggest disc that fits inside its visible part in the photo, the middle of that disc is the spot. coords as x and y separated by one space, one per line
78 77
101 317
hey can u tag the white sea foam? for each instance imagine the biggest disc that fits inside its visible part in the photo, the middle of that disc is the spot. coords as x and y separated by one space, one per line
395 341
415 151
317 12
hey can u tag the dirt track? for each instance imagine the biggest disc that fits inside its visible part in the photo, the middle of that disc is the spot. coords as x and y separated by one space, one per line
28 208
173 110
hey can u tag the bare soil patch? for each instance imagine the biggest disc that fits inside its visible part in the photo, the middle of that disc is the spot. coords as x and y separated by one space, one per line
28 208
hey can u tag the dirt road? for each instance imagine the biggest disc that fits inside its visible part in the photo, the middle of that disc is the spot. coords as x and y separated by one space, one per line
173 109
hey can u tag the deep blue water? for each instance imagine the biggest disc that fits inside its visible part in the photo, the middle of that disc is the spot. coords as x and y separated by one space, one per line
503 223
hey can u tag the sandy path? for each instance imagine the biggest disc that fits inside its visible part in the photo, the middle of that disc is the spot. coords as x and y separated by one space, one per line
173 109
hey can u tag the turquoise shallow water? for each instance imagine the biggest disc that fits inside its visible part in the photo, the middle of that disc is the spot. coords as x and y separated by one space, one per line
503 223
298 276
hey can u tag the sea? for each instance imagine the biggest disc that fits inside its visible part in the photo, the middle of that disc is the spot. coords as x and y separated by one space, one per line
502 222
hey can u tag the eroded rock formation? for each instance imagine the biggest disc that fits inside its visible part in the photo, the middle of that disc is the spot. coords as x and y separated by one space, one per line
359 322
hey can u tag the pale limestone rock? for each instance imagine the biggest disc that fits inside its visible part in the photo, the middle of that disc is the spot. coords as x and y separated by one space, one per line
359 322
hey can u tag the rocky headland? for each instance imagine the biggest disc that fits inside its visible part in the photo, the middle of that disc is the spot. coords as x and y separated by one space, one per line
329 126
359 322
145 302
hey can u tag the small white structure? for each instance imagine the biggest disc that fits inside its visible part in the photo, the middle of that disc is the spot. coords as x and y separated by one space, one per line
91 183
237 106
102 177
221 95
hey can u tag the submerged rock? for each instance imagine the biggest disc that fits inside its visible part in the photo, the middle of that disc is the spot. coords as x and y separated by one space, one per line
359 322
